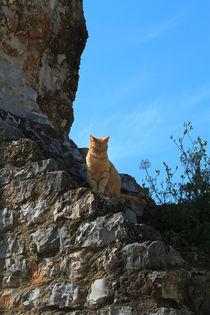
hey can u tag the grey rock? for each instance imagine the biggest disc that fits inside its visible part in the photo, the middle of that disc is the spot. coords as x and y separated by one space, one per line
31 298
119 310
129 184
15 94
83 152
57 181
150 255
167 311
5 176
72 266
34 215
64 237
99 292
102 231
2 264
110 259
76 155
17 271
149 233
52 239
8 133
130 216
169 285
6 219
135 256
46 239
76 204
16 265
10 247
40 167
63 295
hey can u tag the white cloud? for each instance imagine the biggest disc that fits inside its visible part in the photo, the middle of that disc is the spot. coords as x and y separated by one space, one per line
159 29
196 98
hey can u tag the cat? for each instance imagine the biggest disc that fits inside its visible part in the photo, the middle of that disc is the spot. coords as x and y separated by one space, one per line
103 176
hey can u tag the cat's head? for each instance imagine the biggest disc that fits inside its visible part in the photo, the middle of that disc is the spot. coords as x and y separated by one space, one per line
99 144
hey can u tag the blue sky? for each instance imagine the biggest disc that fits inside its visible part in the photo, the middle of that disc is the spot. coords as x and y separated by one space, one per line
144 72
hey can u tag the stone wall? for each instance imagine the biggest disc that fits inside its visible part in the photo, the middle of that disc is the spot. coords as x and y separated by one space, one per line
64 249
41 42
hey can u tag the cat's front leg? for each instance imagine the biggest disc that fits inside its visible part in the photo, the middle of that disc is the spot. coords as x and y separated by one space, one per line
102 185
94 185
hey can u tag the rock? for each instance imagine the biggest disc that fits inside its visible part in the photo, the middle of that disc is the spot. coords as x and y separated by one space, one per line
149 233
150 255
169 285
196 295
41 272
72 266
8 132
83 152
81 203
17 192
5 176
10 247
20 152
129 184
76 155
6 219
31 298
75 204
34 215
9 299
102 231
63 294
167 311
40 167
99 292
38 80
110 259
51 239
17 272
119 310
130 216
57 181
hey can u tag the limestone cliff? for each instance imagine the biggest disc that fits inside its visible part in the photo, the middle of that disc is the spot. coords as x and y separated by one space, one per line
63 249
41 42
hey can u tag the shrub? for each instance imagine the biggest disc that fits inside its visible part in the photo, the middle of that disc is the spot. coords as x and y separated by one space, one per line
189 211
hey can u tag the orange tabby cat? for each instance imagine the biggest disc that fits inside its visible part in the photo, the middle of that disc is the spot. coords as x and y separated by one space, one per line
102 174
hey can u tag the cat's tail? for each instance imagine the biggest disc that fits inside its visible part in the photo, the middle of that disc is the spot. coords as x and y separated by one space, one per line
137 200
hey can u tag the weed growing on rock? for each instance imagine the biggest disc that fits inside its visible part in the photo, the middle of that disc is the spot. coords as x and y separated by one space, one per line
184 205
33 249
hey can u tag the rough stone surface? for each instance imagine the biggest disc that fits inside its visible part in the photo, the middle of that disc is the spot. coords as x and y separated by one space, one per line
167 311
102 231
21 152
10 247
16 268
66 249
40 49
31 299
6 219
151 255
34 215
51 239
63 295
99 291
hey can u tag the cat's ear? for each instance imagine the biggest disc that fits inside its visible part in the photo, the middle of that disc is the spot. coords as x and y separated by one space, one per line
91 138
106 139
